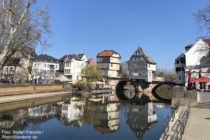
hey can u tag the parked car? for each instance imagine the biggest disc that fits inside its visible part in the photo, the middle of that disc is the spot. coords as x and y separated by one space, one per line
6 81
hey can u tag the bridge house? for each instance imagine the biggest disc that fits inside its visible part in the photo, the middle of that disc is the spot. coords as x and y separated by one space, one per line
108 62
141 66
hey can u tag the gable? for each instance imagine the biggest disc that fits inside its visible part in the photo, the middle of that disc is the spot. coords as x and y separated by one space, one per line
139 54
197 56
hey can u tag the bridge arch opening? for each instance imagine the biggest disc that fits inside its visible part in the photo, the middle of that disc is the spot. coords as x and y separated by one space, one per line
167 89
126 90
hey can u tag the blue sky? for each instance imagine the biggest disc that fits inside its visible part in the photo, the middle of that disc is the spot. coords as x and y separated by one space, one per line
161 27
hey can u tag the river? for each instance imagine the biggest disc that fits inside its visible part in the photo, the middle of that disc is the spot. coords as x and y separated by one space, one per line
83 120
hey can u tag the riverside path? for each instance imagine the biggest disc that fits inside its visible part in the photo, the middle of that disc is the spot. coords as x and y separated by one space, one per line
198 125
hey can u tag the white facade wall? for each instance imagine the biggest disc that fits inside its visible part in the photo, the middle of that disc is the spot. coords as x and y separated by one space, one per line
43 70
151 68
44 66
194 55
115 58
73 68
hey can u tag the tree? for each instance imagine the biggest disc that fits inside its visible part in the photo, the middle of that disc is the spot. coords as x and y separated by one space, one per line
203 18
167 74
91 73
21 25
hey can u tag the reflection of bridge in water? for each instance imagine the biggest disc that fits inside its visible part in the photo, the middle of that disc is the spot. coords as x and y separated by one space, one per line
129 89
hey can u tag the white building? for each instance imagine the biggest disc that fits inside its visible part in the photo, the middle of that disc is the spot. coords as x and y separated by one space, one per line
108 62
72 66
195 60
44 67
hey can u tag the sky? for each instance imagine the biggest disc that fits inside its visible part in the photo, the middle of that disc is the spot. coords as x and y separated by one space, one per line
161 27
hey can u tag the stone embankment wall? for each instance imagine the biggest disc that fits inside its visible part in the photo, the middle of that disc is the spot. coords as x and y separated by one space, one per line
184 97
175 127
7 90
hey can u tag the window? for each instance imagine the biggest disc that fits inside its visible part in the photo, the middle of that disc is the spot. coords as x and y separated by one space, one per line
183 69
178 69
182 60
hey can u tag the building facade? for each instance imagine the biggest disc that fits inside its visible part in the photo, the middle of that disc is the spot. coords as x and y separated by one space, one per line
19 65
73 65
195 61
141 66
108 62
180 65
44 68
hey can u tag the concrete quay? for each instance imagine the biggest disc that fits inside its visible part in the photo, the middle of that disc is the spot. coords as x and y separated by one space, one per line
194 127
198 125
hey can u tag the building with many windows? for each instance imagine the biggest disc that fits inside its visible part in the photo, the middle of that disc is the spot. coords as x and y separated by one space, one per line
108 62
44 68
72 66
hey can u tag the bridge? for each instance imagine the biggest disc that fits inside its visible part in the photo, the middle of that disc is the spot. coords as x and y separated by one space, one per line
129 89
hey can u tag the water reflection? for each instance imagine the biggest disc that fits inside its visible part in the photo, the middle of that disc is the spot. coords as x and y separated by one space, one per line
44 111
140 118
104 118
13 120
71 114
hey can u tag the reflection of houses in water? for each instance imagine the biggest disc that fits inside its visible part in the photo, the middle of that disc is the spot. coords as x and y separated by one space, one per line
72 113
18 119
104 117
13 120
43 111
140 118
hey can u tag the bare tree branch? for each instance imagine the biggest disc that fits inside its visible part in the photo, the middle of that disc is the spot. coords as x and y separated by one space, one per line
20 26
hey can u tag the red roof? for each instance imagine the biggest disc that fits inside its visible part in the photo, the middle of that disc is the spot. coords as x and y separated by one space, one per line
201 79
106 53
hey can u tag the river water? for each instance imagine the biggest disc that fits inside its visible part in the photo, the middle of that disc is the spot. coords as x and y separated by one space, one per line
82 120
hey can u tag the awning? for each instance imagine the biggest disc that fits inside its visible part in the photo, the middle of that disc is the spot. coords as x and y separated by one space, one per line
201 79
